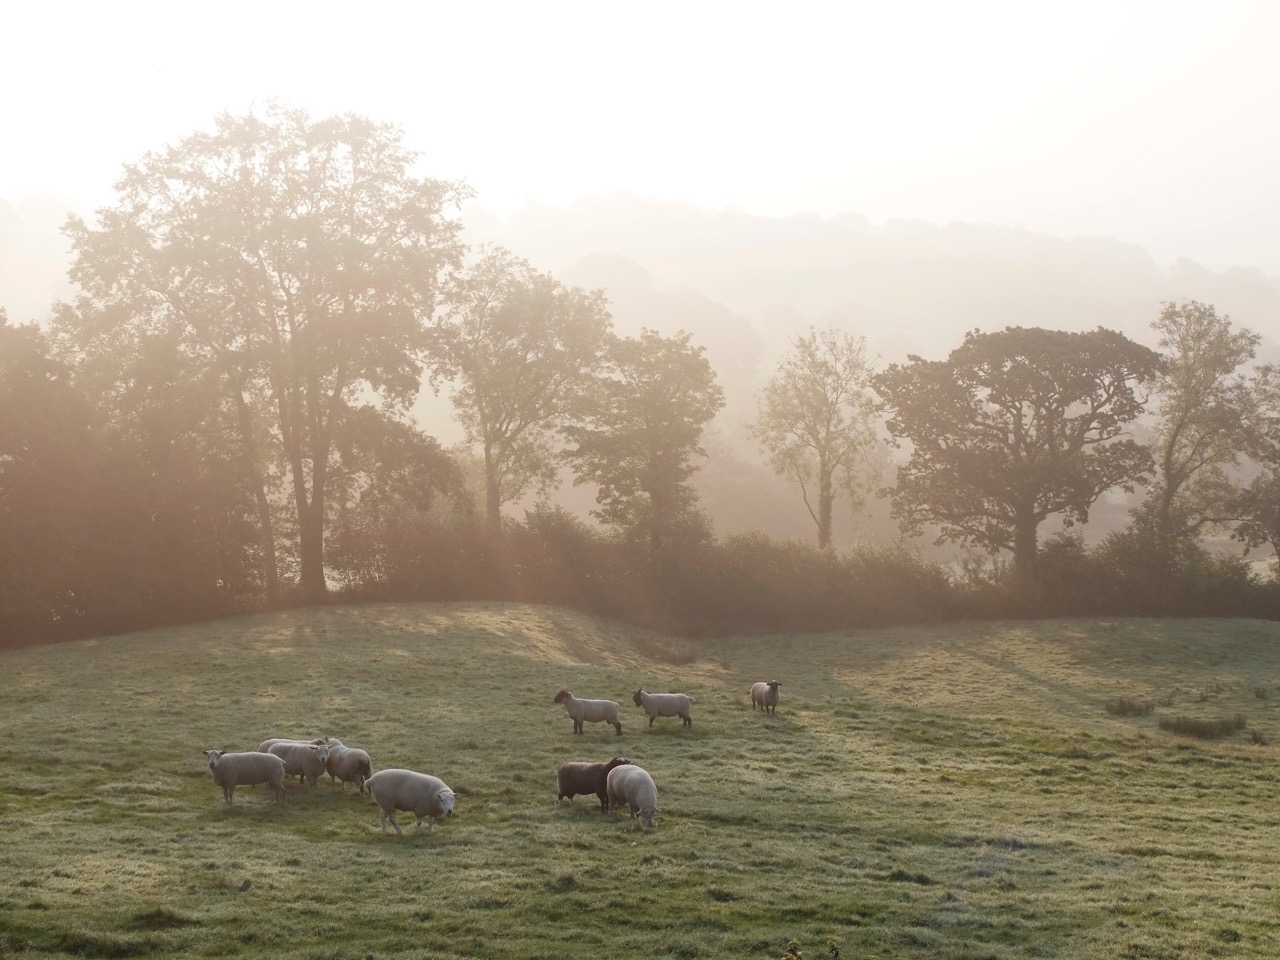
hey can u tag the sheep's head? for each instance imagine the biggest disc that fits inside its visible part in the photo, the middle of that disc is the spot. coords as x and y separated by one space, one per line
321 752
636 697
446 802
562 696
213 756
616 762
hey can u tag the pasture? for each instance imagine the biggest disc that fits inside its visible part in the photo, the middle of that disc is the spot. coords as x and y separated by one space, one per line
957 791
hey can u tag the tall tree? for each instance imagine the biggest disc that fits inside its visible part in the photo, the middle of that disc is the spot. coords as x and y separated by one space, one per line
815 421
299 258
638 437
1207 413
520 347
1259 505
1013 427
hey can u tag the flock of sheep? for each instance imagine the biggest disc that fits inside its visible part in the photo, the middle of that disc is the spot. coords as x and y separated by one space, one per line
616 782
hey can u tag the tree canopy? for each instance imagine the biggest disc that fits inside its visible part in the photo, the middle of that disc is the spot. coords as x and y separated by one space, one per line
638 436
295 259
520 348
1013 427
816 421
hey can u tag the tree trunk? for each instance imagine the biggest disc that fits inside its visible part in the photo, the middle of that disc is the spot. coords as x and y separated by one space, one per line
266 530
311 548
825 498
492 495
1025 550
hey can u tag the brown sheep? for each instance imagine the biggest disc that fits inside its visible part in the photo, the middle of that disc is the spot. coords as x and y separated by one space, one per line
579 776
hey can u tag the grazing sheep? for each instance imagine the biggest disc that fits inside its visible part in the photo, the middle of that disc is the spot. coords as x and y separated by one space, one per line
231 770
664 705
633 786
266 745
428 797
348 764
595 711
578 776
307 760
766 695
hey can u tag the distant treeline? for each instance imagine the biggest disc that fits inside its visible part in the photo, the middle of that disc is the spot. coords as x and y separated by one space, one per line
220 422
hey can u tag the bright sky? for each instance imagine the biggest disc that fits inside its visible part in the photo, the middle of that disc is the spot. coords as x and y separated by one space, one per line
1157 123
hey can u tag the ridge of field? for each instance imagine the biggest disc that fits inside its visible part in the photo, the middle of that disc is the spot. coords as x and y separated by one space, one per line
956 791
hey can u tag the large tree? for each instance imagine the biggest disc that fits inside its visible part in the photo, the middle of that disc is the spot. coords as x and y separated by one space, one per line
638 437
520 347
1014 427
1206 415
297 258
816 421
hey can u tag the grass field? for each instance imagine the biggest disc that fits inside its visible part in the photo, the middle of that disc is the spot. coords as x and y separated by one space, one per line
949 792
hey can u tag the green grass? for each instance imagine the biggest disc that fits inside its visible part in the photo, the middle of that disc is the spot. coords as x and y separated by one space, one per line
958 791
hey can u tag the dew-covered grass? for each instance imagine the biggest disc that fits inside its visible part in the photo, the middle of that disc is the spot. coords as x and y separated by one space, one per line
959 791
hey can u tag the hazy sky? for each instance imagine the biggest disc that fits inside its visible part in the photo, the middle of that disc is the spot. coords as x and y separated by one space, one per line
1155 123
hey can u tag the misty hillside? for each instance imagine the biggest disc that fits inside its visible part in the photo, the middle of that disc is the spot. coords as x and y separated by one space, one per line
745 285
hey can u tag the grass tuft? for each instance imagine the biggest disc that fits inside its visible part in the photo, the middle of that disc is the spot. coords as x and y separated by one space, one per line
1203 729
1125 707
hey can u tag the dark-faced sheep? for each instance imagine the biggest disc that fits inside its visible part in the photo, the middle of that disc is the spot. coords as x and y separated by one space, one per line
766 695
589 711
581 777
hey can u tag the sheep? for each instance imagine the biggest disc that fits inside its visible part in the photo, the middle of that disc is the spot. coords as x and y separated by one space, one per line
428 797
307 760
231 770
347 764
596 711
579 776
664 705
266 745
765 695
633 786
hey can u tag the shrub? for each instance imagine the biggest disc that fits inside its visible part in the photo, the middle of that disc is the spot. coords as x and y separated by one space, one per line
1203 729
1124 707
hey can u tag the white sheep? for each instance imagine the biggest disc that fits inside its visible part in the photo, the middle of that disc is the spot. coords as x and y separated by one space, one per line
266 745
231 770
306 760
595 711
428 797
766 695
633 786
664 705
348 764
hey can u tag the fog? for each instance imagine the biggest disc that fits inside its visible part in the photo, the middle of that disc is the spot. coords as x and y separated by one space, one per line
908 173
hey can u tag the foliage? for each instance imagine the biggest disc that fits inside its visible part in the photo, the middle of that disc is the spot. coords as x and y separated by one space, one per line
1202 728
1206 416
293 261
815 422
1014 427
520 348
638 434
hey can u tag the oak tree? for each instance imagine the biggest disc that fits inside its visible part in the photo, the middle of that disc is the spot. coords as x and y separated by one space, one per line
1012 428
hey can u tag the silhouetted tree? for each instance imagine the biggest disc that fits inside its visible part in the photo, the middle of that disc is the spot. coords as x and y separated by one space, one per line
1206 416
640 432
1013 427
520 347
815 421
297 257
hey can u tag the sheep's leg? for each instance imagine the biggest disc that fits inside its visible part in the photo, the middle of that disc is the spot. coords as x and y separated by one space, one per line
652 717
618 728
